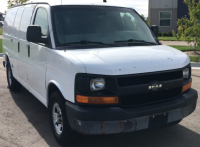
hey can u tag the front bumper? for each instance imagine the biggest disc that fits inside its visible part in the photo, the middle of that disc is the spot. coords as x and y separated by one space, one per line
113 120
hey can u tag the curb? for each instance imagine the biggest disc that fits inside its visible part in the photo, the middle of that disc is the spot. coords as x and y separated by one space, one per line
197 68
195 65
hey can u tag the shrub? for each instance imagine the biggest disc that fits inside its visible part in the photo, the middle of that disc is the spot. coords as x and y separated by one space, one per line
160 34
170 34
165 34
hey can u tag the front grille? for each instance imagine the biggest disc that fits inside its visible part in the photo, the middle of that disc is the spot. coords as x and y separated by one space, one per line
146 79
152 97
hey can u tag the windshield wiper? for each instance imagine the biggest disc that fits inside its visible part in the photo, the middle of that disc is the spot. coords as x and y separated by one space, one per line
84 42
135 41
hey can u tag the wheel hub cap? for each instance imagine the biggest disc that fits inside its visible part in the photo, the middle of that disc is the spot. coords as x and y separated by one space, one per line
57 118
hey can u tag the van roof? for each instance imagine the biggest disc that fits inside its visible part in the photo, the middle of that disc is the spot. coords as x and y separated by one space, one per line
66 2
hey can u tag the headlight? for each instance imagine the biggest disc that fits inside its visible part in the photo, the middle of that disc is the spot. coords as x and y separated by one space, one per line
97 84
186 73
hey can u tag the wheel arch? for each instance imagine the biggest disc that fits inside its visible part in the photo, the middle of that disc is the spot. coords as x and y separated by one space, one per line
7 60
52 87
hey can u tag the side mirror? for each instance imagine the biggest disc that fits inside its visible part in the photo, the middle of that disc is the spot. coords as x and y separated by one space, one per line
154 29
34 34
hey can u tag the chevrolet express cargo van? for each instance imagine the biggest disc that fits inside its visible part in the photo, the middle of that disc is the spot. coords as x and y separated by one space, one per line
98 68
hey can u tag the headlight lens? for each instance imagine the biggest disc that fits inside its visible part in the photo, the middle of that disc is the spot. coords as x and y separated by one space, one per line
186 73
97 84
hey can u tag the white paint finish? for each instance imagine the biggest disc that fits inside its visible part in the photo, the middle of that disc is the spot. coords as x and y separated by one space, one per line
15 38
62 68
9 40
37 63
131 60
37 68
23 67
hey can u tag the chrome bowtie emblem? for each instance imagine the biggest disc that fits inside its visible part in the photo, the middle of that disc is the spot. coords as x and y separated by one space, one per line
155 86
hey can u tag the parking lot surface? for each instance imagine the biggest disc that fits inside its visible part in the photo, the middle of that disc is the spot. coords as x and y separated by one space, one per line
24 122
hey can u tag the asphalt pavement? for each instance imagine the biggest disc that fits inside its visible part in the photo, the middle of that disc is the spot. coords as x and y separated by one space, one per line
24 122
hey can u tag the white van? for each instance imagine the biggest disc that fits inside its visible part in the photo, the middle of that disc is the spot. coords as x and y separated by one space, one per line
97 67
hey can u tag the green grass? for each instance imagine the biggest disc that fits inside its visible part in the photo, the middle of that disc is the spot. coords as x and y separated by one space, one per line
1 49
184 48
188 48
0 31
194 58
167 38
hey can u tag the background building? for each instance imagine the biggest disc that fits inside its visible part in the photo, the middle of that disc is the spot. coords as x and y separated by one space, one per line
165 13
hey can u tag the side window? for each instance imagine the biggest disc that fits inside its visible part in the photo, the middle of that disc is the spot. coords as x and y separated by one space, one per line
17 22
25 22
10 17
42 20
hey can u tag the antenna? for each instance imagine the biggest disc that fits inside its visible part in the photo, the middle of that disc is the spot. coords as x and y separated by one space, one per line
105 1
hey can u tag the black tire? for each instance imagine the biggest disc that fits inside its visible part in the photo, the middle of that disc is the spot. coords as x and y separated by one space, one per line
67 136
13 84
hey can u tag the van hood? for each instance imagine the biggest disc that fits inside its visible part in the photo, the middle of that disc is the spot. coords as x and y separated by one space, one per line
131 60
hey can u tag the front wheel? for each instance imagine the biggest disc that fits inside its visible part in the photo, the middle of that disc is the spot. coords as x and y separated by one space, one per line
61 129
13 84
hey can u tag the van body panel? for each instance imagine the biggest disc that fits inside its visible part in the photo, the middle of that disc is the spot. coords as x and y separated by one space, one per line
9 39
131 60
23 66
15 45
37 68
37 63
63 71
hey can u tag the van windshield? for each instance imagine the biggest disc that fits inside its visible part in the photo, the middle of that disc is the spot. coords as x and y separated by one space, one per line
99 25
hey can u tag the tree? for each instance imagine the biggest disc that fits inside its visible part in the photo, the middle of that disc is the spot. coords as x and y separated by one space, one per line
189 28
145 19
12 3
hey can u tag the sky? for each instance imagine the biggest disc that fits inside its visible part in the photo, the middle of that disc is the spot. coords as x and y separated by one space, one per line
141 6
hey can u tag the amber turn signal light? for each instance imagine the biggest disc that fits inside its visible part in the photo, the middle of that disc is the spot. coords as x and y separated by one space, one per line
187 86
97 100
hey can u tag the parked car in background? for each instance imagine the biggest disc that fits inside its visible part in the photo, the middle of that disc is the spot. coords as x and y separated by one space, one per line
2 16
97 67
1 23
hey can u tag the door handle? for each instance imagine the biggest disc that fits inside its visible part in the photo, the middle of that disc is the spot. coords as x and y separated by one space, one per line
28 47
18 47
